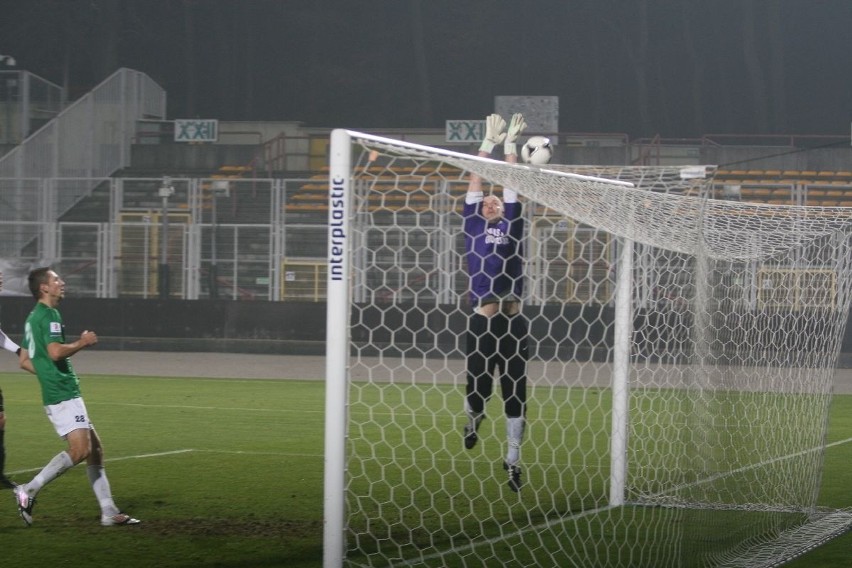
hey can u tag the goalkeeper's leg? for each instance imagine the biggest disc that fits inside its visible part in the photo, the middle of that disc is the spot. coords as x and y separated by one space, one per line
481 346
513 384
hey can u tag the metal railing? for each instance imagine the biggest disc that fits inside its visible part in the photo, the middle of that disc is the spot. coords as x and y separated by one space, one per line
235 241
91 138
27 102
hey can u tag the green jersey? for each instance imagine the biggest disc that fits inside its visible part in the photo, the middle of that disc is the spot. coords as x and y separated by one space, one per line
58 380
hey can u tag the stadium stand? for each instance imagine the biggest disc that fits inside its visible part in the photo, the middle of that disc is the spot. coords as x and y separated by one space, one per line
786 187
400 193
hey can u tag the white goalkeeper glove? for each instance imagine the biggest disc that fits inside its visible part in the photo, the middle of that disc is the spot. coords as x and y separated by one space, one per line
516 126
494 132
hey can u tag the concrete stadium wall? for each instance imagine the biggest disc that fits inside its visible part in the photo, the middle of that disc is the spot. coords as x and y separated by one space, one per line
298 328
182 325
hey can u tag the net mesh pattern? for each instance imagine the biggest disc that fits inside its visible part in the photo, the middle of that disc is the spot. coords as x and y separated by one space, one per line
737 314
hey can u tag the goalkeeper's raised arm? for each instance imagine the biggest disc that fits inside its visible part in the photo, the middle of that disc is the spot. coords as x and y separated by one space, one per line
495 133
494 230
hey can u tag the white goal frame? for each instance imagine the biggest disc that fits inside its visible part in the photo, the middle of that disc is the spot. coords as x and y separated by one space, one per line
337 346
341 249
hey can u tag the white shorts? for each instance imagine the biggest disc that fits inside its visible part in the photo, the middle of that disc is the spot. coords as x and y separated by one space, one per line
68 416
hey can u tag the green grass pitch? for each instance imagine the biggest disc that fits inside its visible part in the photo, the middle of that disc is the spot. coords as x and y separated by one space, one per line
223 472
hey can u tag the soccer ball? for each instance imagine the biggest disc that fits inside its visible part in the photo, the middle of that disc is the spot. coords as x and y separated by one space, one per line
537 151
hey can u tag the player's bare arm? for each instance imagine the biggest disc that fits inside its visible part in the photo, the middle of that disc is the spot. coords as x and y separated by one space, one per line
59 351
24 361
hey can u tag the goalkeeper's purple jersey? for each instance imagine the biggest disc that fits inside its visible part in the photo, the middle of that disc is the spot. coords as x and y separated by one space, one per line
494 252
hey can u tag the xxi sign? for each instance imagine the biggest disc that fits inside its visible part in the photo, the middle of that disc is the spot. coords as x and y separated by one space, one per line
197 130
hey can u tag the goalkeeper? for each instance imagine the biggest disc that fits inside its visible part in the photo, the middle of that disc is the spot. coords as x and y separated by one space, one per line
497 331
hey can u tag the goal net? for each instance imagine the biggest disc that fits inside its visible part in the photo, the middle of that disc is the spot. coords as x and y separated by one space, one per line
681 359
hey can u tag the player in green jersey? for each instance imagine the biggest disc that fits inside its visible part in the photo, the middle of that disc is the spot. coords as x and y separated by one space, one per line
46 354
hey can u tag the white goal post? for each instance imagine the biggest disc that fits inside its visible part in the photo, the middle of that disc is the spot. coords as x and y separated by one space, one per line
682 352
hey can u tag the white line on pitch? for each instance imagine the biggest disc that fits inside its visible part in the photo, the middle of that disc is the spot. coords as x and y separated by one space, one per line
744 468
838 443
582 514
157 455
217 408
503 537
136 457
175 452
245 453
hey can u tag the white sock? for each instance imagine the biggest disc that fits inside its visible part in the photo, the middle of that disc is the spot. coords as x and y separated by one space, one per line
100 484
514 436
60 463
474 417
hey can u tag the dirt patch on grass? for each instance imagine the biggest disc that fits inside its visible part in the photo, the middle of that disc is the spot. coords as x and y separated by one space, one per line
248 527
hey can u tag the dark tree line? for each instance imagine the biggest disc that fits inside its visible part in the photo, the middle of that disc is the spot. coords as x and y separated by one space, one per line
677 68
